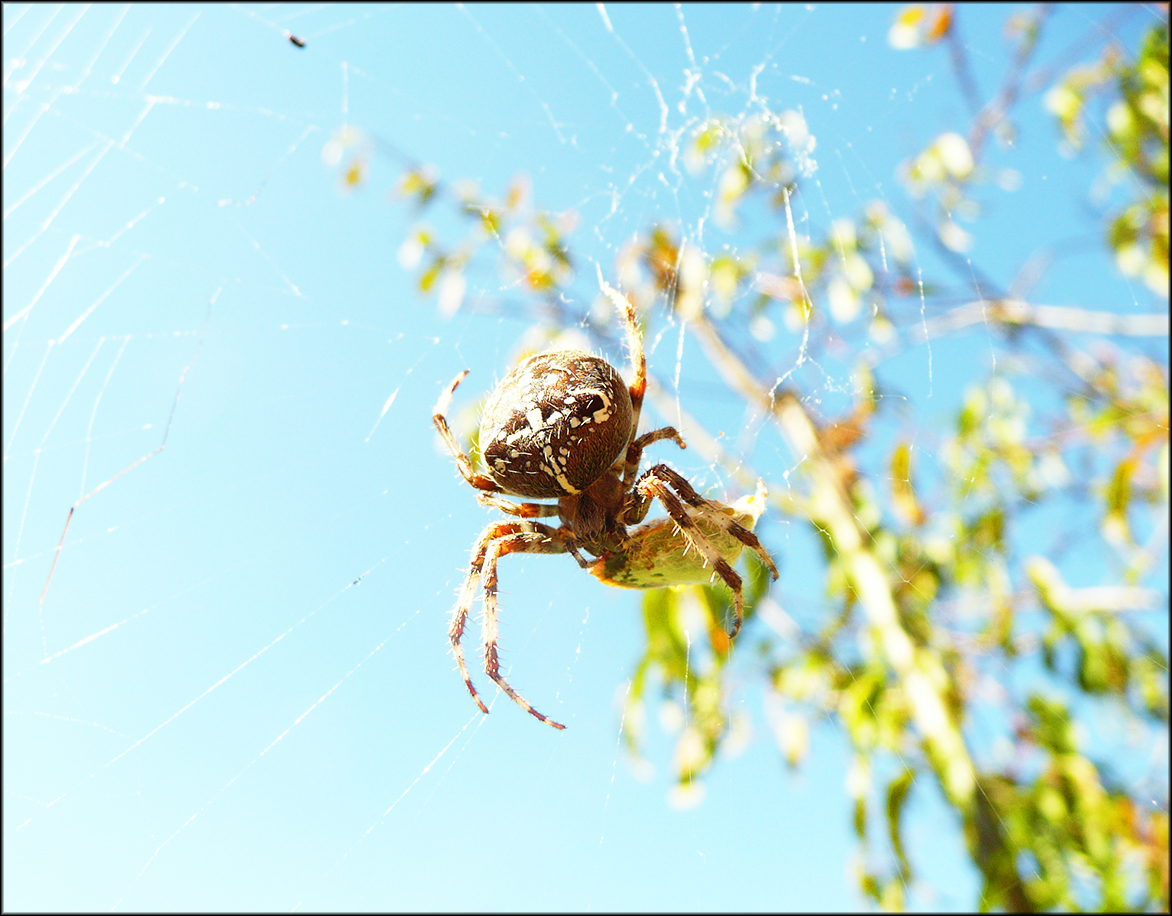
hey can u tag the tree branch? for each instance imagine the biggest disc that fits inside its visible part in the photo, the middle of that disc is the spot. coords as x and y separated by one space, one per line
1062 317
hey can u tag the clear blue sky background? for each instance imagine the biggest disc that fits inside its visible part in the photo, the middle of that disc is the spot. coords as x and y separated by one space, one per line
207 711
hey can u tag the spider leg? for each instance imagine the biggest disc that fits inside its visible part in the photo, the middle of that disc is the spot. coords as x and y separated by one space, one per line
712 512
626 310
530 538
464 602
635 455
521 510
638 387
534 510
635 509
652 486
463 462
662 483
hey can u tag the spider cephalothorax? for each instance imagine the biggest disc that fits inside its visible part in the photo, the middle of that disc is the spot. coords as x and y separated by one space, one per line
563 425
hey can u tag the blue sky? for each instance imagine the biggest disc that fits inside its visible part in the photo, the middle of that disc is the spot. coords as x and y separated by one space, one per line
237 691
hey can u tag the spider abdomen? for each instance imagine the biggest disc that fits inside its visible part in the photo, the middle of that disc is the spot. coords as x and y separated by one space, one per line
555 424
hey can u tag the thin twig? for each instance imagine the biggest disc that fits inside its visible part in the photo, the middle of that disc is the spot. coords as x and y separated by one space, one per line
1015 312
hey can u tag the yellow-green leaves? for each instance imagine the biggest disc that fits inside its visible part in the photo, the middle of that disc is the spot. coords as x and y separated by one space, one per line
419 185
1136 129
903 494
687 653
920 24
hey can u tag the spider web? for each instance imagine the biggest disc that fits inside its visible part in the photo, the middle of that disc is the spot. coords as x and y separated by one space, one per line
230 541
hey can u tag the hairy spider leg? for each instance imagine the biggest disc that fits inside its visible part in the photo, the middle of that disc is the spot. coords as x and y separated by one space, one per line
662 483
541 539
635 455
711 511
463 462
479 563
464 606
521 510
638 388
535 510
653 486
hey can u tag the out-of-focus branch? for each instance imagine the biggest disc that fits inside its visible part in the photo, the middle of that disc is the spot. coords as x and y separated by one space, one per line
1055 593
1096 34
958 56
921 675
694 433
1061 317
998 108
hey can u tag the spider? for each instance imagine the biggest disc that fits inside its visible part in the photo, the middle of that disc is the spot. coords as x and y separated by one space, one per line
563 425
